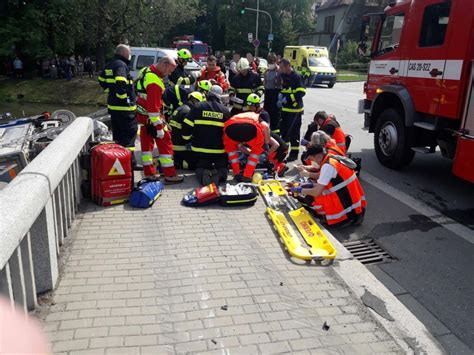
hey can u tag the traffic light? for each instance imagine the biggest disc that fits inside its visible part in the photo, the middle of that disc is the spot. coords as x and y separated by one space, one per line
242 8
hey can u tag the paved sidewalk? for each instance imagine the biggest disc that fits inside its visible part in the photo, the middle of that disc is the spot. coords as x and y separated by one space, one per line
173 279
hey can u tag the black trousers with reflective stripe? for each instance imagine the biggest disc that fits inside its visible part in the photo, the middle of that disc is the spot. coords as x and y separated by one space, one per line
124 127
270 105
290 130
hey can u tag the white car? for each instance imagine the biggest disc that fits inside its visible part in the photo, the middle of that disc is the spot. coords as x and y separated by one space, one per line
145 56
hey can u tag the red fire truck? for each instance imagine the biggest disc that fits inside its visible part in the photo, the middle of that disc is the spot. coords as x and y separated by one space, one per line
420 86
199 49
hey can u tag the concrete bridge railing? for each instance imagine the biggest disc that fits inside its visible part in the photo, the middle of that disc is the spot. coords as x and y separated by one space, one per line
36 210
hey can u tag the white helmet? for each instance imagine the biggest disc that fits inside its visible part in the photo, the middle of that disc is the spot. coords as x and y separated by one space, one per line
216 90
243 64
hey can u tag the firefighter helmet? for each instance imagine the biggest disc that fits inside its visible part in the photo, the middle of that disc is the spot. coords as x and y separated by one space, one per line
217 90
243 64
204 86
196 95
253 100
185 54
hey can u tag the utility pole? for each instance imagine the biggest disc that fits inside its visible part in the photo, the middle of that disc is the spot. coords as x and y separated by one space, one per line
271 23
256 29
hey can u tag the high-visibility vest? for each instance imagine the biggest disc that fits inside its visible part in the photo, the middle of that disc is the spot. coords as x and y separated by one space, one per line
342 196
339 136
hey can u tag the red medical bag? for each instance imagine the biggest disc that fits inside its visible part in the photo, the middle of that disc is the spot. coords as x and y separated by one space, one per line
111 174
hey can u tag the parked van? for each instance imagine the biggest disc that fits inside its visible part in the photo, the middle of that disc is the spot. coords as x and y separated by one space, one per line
312 63
145 56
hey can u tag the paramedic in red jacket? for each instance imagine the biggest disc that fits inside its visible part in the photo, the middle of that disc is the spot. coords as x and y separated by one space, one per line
245 129
213 73
153 129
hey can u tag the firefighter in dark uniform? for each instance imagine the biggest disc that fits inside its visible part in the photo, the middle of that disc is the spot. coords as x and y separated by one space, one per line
246 82
183 157
175 96
116 80
204 127
181 76
291 102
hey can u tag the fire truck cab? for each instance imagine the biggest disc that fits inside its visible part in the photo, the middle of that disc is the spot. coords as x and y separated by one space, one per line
419 90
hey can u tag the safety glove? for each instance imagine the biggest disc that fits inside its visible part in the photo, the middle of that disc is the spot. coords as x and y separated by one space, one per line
160 133
296 189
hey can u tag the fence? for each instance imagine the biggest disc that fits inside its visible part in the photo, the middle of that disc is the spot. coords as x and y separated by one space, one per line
37 208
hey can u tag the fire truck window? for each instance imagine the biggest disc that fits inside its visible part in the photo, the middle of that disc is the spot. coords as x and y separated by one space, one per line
294 55
132 60
144 61
435 24
391 31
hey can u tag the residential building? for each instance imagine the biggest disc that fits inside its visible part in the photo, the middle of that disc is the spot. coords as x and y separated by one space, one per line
339 19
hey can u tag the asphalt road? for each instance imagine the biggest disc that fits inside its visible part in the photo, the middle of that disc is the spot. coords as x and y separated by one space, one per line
423 216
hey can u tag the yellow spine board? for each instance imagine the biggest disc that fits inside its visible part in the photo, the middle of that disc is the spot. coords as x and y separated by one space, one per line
312 234
319 246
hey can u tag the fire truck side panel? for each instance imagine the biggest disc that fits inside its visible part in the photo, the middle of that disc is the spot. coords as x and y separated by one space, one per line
426 56
460 38
464 160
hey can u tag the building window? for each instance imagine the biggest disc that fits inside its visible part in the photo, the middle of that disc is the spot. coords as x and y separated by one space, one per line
329 24
435 24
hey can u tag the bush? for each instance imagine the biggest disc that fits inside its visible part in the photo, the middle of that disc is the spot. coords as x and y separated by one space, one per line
348 56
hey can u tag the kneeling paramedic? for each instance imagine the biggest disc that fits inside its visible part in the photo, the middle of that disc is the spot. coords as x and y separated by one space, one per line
203 128
150 88
337 195
183 156
328 123
278 149
245 129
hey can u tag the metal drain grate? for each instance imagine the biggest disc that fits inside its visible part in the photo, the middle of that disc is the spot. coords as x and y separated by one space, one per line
367 251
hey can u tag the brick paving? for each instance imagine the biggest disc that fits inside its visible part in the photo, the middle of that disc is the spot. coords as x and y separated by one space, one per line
173 279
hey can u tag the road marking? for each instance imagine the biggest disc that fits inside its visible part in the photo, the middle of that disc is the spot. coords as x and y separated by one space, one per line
436 216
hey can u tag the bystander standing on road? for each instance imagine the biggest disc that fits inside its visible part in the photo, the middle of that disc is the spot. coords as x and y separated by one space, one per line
233 66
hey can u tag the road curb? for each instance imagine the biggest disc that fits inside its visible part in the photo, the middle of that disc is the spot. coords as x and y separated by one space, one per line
409 332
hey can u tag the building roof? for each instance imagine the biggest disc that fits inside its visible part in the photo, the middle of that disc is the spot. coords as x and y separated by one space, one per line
332 4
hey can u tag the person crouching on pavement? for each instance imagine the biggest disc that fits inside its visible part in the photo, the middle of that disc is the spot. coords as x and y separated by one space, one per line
203 128
245 129
153 130
324 140
277 149
328 123
337 195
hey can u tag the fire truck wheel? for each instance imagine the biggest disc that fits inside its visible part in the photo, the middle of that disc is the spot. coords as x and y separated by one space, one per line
392 140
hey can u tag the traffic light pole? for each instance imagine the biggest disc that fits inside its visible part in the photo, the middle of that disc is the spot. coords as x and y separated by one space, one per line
257 10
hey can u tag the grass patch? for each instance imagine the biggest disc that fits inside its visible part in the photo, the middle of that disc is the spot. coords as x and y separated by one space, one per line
84 91
347 75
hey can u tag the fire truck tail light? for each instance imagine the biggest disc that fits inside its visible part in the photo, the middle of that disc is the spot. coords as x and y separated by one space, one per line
365 88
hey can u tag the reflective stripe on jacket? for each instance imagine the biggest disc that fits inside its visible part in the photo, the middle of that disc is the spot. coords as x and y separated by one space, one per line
242 86
117 81
293 90
204 126
150 88
342 196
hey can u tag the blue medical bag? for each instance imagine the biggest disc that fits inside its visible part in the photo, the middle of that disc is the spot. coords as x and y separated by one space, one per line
146 193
